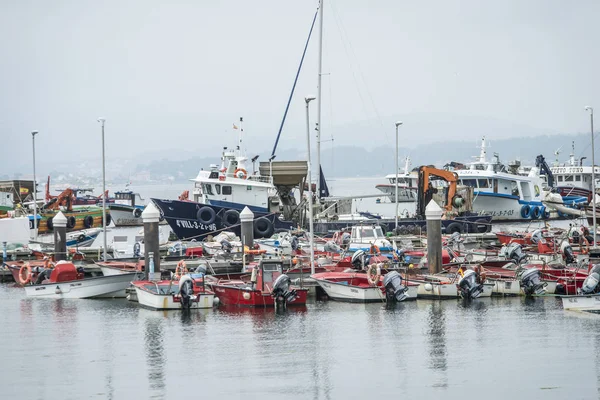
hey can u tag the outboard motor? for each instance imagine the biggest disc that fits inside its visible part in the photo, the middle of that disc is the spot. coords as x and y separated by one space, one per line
332 247
345 239
536 236
186 291
590 284
531 282
200 269
394 289
359 259
281 290
136 249
468 285
42 276
226 246
513 251
294 243
567 251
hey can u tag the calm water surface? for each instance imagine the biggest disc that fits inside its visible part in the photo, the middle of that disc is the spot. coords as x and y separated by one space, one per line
488 349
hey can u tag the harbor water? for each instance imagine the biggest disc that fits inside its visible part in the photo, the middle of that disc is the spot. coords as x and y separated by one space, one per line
490 348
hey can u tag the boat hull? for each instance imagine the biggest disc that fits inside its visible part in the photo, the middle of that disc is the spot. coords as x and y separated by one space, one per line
156 301
98 287
356 294
246 297
123 215
581 302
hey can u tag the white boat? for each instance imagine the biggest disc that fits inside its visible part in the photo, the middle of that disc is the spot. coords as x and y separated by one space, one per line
589 302
66 283
407 183
504 195
167 295
439 287
573 180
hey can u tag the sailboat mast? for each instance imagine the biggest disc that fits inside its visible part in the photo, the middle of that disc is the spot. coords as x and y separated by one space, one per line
319 101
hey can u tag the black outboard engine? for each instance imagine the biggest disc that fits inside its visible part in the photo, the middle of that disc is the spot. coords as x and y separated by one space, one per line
513 251
590 284
567 251
42 276
468 285
531 282
294 243
226 246
394 289
282 292
186 291
359 259
136 249
332 247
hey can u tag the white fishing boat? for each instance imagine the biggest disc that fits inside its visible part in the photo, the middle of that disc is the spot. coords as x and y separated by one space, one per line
504 195
186 293
126 210
440 287
407 183
588 298
66 282
573 180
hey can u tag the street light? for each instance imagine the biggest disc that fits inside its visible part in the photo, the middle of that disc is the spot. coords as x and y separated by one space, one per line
308 99
591 110
398 123
35 224
102 121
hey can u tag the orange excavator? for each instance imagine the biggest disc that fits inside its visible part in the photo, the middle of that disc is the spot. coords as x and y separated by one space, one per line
426 189
65 199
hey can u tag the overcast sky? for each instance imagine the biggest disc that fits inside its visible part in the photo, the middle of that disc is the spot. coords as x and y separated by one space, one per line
177 74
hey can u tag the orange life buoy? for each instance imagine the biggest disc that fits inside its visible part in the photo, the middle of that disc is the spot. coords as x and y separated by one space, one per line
243 171
48 264
181 269
25 268
375 250
374 274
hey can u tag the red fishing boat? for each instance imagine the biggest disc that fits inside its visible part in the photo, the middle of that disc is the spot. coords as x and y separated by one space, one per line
267 286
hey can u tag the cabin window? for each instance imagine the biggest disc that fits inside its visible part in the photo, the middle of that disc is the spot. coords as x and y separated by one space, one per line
569 178
578 178
218 188
514 188
248 187
227 190
483 183
208 189
392 180
559 178
198 185
585 179
470 182
366 233
525 189
213 175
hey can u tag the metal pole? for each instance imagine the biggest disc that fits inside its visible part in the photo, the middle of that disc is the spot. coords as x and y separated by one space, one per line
35 224
396 179
319 102
591 110
102 120
308 99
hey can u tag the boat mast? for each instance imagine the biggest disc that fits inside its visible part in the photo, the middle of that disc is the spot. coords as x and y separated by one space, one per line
319 102
241 132
482 154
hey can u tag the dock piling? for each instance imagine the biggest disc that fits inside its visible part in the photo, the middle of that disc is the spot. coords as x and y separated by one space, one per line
433 214
59 222
151 217
247 229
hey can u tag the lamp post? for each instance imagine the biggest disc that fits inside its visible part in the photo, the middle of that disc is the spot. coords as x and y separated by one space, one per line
102 121
591 110
398 123
307 100
35 224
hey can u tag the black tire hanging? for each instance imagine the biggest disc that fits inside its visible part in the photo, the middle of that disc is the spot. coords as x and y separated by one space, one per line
49 224
108 219
137 213
71 222
481 226
206 215
231 217
263 228
454 227
88 222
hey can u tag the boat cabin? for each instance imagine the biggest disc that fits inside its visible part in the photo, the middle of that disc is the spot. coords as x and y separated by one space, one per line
268 271
127 198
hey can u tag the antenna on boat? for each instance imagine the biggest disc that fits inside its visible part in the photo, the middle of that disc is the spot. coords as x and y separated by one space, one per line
241 128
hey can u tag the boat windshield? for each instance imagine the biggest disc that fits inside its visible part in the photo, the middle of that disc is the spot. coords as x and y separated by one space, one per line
379 232
367 233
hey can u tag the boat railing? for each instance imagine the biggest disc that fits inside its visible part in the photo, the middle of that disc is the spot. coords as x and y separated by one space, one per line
254 178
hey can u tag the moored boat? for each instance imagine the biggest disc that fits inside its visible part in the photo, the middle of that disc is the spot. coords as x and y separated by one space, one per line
189 292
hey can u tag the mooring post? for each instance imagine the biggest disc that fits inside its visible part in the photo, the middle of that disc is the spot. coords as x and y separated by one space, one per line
4 251
247 221
433 214
60 236
151 217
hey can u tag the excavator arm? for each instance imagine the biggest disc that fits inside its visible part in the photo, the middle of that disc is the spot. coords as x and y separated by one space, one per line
426 190
64 199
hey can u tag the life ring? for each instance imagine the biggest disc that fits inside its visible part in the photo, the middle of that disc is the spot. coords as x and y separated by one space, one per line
49 224
525 211
181 269
375 250
231 217
240 173
454 227
88 222
536 213
373 279
71 222
137 212
24 274
263 228
481 226
206 215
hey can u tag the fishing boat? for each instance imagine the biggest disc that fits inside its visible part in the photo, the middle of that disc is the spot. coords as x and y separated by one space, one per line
588 296
366 287
407 183
573 180
126 210
267 286
188 292
65 281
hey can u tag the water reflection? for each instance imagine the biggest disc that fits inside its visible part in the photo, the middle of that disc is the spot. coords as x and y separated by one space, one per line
436 338
155 357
